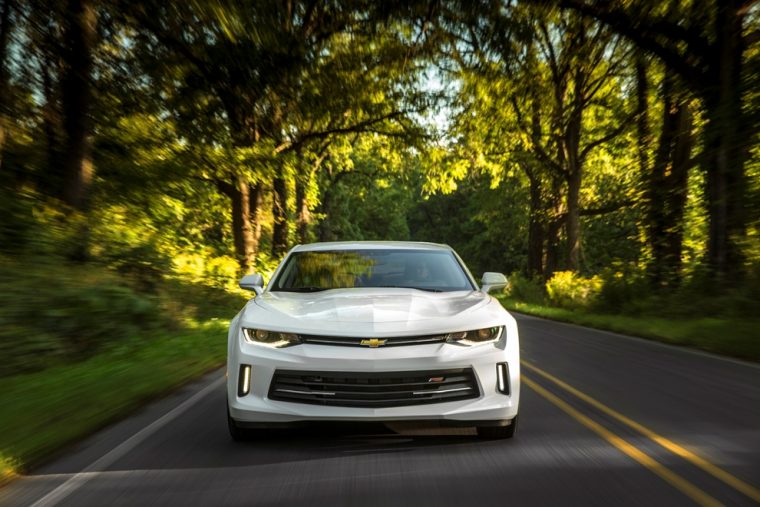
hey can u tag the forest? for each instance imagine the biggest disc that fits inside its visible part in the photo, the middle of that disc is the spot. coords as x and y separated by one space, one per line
604 155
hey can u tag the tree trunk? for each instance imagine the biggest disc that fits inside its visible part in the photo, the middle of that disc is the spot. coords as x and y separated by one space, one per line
535 228
668 186
573 222
554 259
678 187
553 250
52 182
5 32
280 216
643 135
254 213
553 231
303 216
242 231
574 181
712 68
724 149
325 230
536 214
77 101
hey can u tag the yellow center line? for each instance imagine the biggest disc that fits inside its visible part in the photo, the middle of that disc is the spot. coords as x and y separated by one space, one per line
693 458
628 449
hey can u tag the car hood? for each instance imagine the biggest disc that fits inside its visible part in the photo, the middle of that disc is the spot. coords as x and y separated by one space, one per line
383 310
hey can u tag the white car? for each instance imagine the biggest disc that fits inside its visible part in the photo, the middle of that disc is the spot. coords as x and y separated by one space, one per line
373 331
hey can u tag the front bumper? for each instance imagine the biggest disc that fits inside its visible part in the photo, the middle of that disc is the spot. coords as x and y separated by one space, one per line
256 407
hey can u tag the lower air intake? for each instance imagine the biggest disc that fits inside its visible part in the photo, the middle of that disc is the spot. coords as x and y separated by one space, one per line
373 390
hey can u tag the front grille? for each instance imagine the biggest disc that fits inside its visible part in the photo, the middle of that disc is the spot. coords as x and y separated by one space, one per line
357 342
384 389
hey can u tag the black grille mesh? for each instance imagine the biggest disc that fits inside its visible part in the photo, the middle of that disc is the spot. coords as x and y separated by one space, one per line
348 341
373 389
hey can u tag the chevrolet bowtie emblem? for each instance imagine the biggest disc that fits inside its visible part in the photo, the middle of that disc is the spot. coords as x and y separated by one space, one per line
373 342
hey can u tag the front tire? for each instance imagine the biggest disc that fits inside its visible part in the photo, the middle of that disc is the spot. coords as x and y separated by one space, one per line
498 432
237 433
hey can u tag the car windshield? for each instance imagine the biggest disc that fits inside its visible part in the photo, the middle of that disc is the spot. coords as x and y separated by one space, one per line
428 270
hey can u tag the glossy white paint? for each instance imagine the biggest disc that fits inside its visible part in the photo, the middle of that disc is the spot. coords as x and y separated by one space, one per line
373 313
363 311
493 281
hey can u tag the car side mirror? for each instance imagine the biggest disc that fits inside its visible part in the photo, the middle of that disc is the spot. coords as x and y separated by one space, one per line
254 282
493 281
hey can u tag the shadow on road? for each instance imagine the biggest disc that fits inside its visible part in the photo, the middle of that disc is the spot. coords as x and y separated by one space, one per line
204 442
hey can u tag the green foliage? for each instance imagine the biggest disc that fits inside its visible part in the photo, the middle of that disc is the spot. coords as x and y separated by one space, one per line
623 291
49 313
9 469
142 263
567 289
16 222
482 222
627 291
104 308
190 99
368 195
527 290
735 337
33 226
699 296
54 310
84 396
216 271
372 212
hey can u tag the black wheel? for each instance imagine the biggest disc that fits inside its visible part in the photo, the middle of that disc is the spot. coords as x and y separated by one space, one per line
237 433
498 432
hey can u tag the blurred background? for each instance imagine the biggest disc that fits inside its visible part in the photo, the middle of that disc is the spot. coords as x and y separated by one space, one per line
605 155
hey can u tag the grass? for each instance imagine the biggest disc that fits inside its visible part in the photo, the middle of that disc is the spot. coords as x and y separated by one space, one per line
731 337
8 469
83 346
45 410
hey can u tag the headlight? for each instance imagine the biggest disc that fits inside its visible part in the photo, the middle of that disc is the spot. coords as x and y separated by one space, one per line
270 338
485 335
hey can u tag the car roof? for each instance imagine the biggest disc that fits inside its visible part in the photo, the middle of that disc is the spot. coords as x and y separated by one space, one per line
369 245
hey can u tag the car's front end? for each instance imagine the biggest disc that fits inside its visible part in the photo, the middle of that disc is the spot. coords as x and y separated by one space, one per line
373 354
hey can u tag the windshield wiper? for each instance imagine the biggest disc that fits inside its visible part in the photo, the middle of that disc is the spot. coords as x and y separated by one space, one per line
303 289
426 289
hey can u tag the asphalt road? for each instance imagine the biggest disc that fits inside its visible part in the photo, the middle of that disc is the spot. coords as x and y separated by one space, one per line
605 420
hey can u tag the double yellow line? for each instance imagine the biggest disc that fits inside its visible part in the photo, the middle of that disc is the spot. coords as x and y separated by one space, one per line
633 452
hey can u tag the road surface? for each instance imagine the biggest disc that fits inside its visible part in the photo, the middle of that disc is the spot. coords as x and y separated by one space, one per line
605 420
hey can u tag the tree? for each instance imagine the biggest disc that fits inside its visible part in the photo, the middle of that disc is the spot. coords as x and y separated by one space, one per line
76 96
705 43
666 177
368 188
252 65
583 61
555 82
6 9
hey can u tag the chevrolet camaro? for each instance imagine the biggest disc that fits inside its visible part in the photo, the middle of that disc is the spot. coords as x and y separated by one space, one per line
373 331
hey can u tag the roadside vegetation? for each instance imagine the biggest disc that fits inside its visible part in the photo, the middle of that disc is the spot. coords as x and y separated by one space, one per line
45 410
725 323
83 347
151 152
85 343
